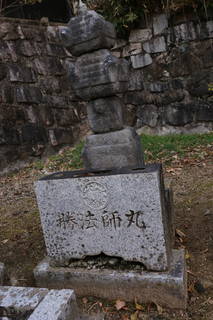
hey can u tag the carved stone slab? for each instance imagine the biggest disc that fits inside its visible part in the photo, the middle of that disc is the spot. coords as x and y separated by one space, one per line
118 149
119 215
98 74
105 115
88 32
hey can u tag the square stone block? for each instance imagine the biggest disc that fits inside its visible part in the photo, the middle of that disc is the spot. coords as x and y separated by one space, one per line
105 115
98 74
121 214
88 32
118 149
167 289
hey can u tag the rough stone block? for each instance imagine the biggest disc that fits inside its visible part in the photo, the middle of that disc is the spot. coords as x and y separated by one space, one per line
39 304
57 305
119 214
20 301
117 149
18 73
27 94
105 115
140 35
155 46
185 32
168 289
141 60
132 49
160 23
99 74
61 136
88 32
148 114
2 272
178 114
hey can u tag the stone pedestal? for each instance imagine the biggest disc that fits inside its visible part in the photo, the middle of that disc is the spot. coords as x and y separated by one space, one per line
167 289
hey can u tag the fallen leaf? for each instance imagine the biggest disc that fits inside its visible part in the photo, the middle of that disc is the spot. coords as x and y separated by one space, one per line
159 308
134 316
139 306
120 304
180 233
5 241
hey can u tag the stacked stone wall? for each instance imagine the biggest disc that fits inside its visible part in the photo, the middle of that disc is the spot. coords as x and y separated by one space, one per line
170 84
38 111
171 79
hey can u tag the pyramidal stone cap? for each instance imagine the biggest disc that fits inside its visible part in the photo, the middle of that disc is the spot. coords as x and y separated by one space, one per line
88 32
98 74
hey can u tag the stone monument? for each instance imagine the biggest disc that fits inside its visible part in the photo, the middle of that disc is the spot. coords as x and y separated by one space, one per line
117 208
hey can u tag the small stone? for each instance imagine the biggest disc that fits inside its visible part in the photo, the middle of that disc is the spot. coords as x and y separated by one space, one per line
160 23
199 287
113 261
140 35
155 46
141 60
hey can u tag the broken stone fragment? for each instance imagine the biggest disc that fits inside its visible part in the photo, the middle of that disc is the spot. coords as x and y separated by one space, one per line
117 149
88 32
98 74
105 115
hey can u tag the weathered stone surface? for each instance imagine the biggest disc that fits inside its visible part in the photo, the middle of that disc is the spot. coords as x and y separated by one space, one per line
155 46
32 133
2 272
18 73
99 74
39 304
25 94
148 114
105 115
141 60
178 114
21 301
140 35
136 79
132 49
186 32
84 215
88 32
57 305
203 111
61 136
168 289
113 150
160 23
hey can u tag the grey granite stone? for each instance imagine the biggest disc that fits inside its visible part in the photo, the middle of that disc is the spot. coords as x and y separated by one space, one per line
21 301
155 45
57 305
168 289
141 60
105 115
119 214
116 149
37 304
2 272
160 23
98 74
140 35
88 32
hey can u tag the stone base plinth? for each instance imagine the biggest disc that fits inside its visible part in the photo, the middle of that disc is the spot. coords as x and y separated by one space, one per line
2 272
168 289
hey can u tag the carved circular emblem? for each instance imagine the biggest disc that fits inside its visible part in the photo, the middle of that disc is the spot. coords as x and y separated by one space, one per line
95 195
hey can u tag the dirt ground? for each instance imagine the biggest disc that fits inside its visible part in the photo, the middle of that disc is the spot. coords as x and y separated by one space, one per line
22 246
